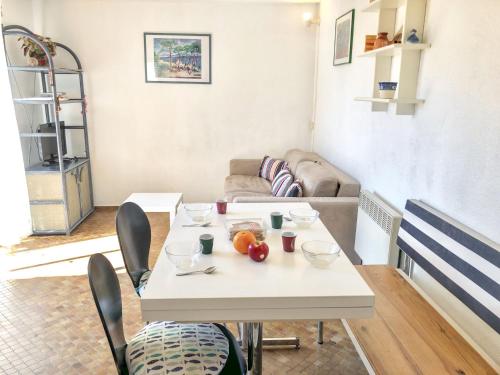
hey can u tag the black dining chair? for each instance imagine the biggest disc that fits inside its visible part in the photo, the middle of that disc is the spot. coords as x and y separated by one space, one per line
134 236
160 345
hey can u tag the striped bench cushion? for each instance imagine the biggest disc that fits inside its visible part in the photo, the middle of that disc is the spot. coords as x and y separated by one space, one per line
464 262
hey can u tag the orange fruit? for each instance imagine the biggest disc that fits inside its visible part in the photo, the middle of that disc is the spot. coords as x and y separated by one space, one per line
241 241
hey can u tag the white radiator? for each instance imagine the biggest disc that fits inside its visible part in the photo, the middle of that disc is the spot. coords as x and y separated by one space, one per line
376 230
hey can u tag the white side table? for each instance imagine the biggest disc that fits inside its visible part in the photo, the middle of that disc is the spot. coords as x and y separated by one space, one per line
157 202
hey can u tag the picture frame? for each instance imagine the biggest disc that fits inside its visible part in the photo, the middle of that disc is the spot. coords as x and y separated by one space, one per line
344 32
178 58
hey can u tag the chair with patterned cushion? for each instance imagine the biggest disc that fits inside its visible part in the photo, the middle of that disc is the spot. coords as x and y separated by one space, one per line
134 236
160 347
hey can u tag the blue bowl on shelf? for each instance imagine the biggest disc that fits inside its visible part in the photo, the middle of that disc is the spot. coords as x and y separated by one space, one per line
387 85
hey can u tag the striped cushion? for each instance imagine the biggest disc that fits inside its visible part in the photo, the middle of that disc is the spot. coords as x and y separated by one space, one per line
281 183
162 348
462 261
271 167
295 190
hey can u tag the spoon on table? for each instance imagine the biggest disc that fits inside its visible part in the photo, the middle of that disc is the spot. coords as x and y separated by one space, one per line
197 225
207 271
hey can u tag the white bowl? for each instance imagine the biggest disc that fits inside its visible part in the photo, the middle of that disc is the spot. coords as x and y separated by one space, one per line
320 253
198 212
183 255
304 217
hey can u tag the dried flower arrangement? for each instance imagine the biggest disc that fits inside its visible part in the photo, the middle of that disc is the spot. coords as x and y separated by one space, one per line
33 52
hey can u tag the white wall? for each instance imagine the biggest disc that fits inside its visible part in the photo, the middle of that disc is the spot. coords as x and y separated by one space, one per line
448 154
174 137
15 221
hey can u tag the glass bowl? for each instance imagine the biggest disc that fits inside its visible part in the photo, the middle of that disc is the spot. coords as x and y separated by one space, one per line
198 212
183 255
320 253
304 217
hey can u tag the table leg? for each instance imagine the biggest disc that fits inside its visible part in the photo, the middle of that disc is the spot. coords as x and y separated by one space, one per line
320 332
242 335
267 342
254 340
282 342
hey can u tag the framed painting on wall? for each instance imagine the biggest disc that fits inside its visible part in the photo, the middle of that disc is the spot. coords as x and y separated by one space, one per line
344 30
178 58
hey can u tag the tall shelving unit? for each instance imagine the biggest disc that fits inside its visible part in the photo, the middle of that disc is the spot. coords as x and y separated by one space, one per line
397 62
60 193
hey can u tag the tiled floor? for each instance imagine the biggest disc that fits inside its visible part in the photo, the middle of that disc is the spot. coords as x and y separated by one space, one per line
49 325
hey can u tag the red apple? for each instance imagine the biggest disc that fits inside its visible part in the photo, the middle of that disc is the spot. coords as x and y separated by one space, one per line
258 251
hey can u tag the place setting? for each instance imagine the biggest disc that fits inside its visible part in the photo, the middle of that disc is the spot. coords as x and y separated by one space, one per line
256 237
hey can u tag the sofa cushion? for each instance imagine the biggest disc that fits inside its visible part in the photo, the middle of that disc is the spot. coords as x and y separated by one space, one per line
295 156
348 186
281 183
247 183
230 196
317 180
295 190
271 167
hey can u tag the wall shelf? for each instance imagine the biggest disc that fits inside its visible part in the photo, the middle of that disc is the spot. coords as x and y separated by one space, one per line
44 100
387 101
397 62
43 69
38 135
395 49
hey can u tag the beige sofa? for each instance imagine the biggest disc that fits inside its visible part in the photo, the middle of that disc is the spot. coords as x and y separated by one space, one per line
328 189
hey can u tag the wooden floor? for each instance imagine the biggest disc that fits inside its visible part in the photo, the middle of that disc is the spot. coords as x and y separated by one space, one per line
49 324
407 335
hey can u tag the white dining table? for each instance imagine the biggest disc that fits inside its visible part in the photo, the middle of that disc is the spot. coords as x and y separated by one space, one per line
283 287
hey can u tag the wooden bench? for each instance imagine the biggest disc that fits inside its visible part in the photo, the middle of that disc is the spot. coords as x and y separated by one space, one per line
407 335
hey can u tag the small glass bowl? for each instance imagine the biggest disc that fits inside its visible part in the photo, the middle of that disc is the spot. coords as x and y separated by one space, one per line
320 253
198 212
304 217
183 255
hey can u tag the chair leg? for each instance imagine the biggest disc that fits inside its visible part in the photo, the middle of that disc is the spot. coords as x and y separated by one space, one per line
320 332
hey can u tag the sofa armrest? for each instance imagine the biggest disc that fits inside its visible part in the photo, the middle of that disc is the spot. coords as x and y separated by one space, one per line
339 214
247 167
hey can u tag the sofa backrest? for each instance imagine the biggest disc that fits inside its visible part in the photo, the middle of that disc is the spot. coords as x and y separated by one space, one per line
348 186
323 178
316 180
295 156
